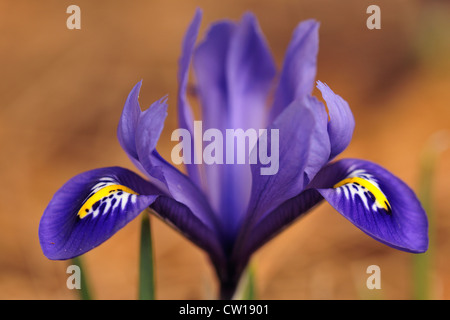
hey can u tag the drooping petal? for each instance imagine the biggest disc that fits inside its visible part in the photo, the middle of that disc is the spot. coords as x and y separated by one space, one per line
299 67
375 201
90 208
341 124
94 205
185 117
234 71
372 198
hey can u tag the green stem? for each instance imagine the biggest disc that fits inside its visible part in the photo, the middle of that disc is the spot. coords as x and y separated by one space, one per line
146 268
246 289
250 288
84 291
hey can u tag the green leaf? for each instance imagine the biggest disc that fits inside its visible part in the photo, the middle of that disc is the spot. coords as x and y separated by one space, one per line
146 267
247 285
84 291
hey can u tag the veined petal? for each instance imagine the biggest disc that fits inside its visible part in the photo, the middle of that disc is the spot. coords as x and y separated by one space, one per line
375 201
341 124
209 65
303 148
126 130
90 208
94 205
293 130
299 67
185 117
278 199
209 62
234 71
250 72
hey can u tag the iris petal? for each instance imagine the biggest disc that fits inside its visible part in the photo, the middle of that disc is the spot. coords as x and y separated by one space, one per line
234 71
126 131
94 205
299 67
377 202
209 65
320 148
304 149
278 199
341 124
146 131
250 71
90 208
295 126
369 196
185 117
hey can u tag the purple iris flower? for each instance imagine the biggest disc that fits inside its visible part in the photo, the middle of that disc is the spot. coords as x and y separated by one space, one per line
231 210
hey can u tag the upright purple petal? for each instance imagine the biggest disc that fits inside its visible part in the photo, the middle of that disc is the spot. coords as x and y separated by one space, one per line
185 117
250 72
210 60
234 71
341 124
209 65
90 208
299 67
128 122
375 201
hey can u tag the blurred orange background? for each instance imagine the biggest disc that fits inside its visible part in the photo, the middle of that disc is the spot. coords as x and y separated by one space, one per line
62 93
